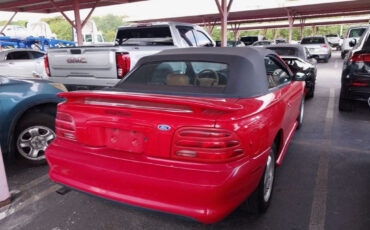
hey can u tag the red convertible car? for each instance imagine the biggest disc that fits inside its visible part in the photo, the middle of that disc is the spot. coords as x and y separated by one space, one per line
193 132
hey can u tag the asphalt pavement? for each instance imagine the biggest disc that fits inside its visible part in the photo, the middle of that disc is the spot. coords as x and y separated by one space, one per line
323 183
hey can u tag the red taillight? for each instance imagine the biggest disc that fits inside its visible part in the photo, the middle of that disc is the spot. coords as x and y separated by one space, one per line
206 145
123 64
324 46
359 84
65 126
46 64
360 58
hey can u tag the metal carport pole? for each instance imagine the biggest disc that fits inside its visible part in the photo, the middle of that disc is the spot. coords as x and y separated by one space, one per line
224 10
77 25
8 22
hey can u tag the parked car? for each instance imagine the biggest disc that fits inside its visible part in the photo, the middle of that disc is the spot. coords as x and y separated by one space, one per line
299 60
353 33
199 128
231 43
280 41
356 74
101 66
334 40
15 31
249 40
318 47
27 113
263 43
22 63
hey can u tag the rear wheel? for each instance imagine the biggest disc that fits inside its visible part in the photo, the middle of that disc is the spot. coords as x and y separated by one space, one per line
310 92
260 199
301 113
345 105
33 135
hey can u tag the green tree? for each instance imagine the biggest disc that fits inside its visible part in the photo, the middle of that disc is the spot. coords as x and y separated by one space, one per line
108 25
60 27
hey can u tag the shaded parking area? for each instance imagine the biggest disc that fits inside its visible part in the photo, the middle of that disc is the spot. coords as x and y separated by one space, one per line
323 183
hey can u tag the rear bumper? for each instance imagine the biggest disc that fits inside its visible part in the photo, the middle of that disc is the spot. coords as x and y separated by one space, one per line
205 192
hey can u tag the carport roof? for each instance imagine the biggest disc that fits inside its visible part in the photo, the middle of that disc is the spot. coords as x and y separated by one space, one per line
45 6
336 8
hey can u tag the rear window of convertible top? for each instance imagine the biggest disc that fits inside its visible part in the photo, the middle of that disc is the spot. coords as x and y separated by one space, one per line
178 77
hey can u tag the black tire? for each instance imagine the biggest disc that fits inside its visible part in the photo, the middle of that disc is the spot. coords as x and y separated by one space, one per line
41 125
326 60
257 202
345 105
310 92
301 114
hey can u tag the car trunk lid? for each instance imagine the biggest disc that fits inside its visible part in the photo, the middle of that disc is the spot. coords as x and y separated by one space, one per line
135 123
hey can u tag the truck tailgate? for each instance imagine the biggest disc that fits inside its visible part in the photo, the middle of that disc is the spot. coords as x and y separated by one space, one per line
78 65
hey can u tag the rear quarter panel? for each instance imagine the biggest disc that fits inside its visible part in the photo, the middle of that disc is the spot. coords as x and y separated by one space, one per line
16 99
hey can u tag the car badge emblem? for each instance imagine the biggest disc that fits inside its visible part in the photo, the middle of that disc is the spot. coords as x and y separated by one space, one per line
164 127
76 60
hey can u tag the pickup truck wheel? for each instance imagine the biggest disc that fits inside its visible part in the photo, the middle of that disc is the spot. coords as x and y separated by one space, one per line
301 113
260 199
33 135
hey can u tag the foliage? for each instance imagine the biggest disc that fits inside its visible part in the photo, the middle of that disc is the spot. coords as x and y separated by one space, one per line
60 27
108 25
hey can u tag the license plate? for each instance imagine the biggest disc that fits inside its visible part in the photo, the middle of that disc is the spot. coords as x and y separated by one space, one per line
125 140
312 49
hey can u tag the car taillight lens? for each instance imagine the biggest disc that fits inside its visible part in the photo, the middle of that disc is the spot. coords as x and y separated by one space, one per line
46 64
206 145
65 126
123 64
360 58
324 46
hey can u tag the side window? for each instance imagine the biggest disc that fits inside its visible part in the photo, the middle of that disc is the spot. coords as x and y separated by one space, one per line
202 39
275 74
187 35
36 55
18 55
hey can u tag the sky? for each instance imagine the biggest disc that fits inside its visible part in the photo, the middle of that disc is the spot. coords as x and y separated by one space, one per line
166 8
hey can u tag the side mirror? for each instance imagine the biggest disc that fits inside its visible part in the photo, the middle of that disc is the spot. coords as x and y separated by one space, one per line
299 76
352 43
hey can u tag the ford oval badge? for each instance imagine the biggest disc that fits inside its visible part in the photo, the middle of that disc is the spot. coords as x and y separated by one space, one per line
164 127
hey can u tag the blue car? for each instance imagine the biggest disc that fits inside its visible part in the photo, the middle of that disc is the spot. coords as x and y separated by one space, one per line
27 116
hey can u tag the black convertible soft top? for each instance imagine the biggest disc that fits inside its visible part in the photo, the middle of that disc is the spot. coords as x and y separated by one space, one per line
246 76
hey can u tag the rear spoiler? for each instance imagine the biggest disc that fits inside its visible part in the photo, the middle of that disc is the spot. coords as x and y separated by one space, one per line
108 98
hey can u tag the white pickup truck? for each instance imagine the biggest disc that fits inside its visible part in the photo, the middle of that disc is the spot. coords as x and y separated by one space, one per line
101 66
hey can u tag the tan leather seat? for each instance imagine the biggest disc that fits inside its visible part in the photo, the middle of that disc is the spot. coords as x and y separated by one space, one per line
177 79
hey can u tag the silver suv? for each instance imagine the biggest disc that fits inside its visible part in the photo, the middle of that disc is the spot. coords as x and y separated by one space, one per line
354 32
318 47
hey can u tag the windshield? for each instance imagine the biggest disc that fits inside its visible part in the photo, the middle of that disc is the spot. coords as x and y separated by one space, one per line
144 36
176 77
354 33
285 51
313 40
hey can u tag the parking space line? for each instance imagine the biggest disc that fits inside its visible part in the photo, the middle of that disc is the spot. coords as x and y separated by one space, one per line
335 147
318 210
34 182
17 206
